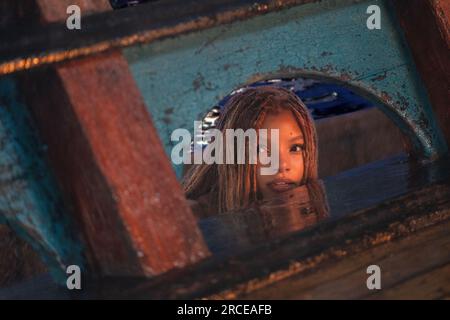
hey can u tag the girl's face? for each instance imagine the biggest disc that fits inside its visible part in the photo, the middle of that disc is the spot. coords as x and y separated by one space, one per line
291 162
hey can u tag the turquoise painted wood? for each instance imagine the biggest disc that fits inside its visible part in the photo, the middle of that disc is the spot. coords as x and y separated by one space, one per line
30 201
182 78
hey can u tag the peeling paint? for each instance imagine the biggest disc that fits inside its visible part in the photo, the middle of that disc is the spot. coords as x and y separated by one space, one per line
288 42
30 201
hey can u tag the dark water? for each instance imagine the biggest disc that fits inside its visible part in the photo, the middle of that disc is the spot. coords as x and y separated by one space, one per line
306 206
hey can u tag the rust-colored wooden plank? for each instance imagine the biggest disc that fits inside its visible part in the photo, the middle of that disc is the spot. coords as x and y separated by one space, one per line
110 163
29 48
109 160
426 24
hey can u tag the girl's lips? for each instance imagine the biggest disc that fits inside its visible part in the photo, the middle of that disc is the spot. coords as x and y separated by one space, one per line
281 185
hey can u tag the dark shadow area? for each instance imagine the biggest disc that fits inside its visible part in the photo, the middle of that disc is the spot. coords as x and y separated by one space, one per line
18 260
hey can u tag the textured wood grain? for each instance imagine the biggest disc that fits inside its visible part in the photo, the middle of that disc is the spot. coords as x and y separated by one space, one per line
109 162
403 264
30 200
114 29
108 158
426 24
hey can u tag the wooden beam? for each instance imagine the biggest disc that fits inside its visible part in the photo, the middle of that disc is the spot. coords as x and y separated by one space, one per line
112 168
52 11
25 48
426 24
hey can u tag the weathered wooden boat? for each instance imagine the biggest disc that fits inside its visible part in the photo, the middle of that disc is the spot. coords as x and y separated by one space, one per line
85 178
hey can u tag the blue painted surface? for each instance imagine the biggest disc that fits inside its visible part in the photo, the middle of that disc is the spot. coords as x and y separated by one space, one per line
30 201
322 99
182 78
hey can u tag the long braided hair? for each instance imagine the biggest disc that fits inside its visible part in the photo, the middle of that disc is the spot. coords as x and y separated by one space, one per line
233 186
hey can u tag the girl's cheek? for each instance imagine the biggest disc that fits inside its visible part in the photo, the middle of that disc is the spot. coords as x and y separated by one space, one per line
297 159
297 163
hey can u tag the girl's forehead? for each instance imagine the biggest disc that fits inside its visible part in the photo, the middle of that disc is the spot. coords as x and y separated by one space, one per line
284 120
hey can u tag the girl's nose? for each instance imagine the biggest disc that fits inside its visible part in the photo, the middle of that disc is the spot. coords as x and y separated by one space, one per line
284 164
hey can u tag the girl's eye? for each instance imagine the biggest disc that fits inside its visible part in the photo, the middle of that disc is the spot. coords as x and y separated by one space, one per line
297 148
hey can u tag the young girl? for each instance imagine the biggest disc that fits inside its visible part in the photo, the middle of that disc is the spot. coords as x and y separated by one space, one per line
219 188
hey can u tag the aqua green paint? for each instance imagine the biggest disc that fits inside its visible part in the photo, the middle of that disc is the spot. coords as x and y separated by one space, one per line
181 78
30 201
